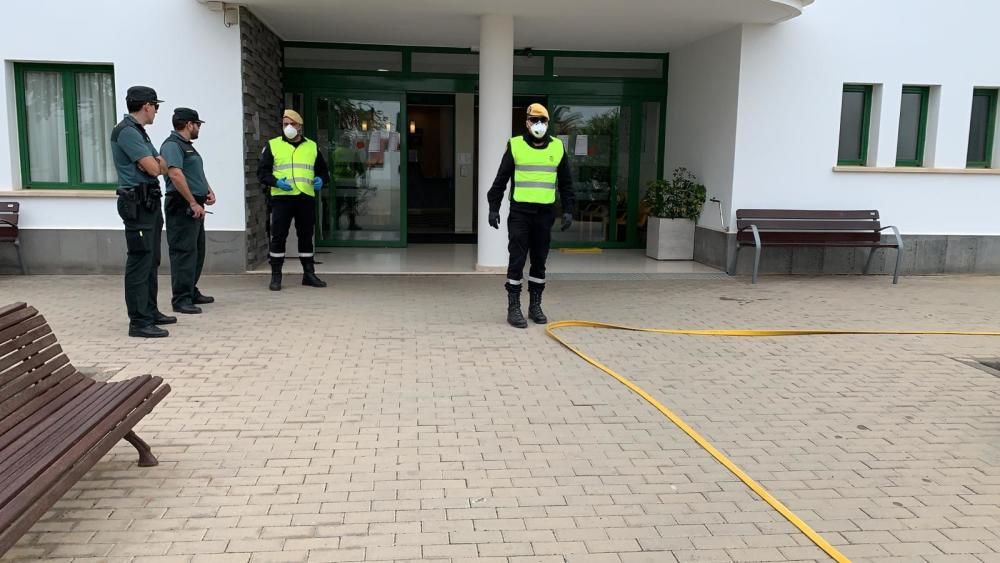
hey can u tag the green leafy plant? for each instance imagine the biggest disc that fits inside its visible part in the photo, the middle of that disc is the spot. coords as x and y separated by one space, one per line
681 197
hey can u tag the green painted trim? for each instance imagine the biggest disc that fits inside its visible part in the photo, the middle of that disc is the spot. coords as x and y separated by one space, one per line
924 92
311 96
72 128
634 167
68 74
433 49
22 125
991 125
866 120
407 55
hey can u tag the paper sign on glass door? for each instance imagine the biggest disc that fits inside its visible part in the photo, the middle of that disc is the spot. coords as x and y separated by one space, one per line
581 145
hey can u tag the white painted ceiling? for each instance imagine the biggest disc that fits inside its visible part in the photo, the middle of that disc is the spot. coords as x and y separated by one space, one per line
581 25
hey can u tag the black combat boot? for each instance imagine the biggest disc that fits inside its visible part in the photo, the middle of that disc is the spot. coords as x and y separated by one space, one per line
276 264
309 273
535 312
514 316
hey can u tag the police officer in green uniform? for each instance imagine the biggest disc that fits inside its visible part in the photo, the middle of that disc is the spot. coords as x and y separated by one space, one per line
538 164
187 194
294 169
138 165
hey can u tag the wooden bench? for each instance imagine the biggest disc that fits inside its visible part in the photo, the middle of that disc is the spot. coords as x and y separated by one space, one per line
812 228
56 423
9 232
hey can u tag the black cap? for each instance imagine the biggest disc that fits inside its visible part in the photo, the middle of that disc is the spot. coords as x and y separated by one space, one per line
143 94
186 114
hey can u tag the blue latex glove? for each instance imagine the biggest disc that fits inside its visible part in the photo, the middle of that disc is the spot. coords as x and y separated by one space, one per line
282 184
317 183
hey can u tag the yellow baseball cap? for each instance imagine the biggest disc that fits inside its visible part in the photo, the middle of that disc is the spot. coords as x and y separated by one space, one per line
293 115
538 110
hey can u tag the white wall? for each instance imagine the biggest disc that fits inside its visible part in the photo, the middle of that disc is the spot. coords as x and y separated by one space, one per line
791 79
701 115
179 47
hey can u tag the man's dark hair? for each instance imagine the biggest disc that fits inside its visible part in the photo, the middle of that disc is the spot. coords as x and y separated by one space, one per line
180 123
134 106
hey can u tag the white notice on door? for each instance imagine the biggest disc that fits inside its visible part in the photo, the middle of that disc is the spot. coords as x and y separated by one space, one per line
581 145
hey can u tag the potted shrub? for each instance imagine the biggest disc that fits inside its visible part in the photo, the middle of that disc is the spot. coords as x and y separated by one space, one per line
674 207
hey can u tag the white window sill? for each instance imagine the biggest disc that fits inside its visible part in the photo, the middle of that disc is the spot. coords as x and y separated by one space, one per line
58 193
915 170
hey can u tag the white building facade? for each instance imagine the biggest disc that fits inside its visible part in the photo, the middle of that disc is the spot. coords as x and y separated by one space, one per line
832 104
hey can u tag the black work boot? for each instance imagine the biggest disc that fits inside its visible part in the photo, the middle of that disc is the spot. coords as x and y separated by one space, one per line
309 273
276 274
148 331
535 312
514 316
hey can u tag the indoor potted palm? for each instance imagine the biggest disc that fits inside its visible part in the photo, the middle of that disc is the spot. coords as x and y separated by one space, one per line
674 206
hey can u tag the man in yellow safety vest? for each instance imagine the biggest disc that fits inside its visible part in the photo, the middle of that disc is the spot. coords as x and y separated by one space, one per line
539 167
295 171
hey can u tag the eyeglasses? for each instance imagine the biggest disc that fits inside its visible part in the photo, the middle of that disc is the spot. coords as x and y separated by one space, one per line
538 119
156 106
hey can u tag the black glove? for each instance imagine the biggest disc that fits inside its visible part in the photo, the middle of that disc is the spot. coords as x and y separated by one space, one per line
495 219
567 221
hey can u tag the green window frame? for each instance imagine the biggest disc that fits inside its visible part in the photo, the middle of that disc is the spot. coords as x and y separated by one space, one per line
70 94
866 118
925 93
991 124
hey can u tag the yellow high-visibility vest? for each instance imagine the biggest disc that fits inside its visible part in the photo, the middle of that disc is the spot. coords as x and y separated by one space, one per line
535 170
295 165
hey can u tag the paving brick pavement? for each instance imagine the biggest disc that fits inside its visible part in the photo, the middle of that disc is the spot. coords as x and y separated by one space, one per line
399 419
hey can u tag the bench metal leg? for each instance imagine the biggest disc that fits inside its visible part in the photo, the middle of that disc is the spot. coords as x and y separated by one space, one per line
756 252
734 261
868 263
146 457
20 259
899 258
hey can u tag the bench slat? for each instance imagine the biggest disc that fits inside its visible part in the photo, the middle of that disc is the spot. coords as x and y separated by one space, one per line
39 496
812 238
808 225
15 316
27 347
40 440
35 333
43 420
39 366
36 397
88 427
55 423
806 214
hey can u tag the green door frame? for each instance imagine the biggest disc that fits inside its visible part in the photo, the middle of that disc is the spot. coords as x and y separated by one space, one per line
311 95
624 92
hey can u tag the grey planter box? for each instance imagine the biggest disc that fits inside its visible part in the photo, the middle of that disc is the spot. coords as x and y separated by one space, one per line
670 239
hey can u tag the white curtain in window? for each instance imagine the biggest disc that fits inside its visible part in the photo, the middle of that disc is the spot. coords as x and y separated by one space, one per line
46 123
95 109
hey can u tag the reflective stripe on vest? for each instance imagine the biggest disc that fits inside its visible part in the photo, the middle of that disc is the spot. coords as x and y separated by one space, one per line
535 170
294 164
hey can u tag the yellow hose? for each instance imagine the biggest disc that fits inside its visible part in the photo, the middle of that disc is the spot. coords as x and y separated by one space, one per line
705 444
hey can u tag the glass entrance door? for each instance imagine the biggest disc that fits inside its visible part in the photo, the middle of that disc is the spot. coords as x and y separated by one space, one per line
360 138
596 137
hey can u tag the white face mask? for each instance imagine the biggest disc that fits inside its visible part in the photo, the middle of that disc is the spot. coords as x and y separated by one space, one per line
538 129
290 132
